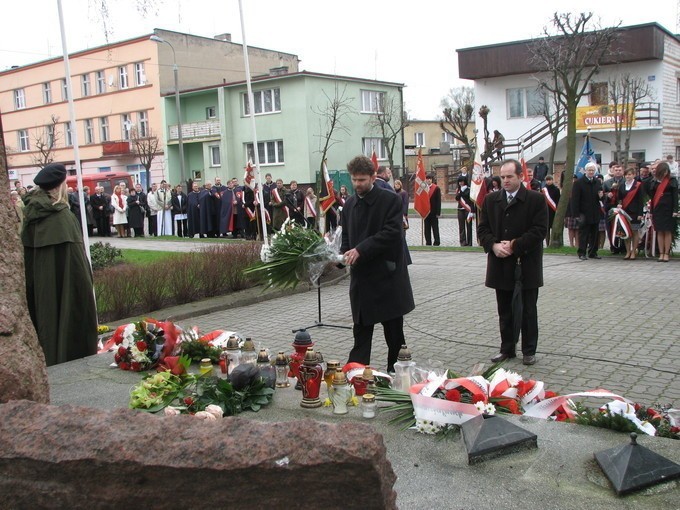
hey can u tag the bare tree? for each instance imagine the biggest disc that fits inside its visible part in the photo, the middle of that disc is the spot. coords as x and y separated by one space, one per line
626 92
568 57
459 111
145 147
389 122
332 119
45 143
553 112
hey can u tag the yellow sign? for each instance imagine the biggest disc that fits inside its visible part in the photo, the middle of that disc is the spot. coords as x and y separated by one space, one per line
604 116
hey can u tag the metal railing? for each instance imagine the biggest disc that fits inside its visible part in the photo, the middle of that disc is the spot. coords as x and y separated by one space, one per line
203 129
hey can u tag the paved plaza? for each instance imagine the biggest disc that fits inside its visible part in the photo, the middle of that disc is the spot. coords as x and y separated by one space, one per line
606 323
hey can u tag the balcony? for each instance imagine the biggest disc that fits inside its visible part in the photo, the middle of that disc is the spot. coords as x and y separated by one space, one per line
117 148
193 130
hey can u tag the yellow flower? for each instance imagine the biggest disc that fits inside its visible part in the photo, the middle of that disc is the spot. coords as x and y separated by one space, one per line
103 329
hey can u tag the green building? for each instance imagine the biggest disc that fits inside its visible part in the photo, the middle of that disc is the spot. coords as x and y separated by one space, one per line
291 118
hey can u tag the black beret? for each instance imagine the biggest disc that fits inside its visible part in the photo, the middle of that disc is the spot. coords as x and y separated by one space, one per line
51 176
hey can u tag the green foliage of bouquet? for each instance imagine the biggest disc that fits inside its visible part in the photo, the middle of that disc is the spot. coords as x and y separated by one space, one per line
295 254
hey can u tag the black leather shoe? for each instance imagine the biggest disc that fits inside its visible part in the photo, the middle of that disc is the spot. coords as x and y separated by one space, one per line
596 257
501 356
529 360
582 257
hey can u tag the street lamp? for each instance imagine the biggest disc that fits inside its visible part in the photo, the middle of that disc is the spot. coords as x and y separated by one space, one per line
175 71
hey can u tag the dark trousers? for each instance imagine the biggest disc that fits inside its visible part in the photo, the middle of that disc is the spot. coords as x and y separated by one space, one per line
587 239
181 228
464 228
529 321
153 225
431 229
103 226
363 338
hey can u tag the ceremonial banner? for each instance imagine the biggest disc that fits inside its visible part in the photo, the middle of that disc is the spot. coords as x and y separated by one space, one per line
422 197
327 198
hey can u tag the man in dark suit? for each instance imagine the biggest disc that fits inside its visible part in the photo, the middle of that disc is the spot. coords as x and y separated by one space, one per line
372 243
586 196
466 209
512 226
100 202
432 219
384 174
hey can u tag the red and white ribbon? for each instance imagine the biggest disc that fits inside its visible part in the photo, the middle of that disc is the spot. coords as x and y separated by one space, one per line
545 408
549 200
621 219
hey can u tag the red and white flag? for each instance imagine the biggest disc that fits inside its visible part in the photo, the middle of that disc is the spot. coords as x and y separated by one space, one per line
478 190
525 170
249 176
327 198
548 199
421 188
374 158
276 196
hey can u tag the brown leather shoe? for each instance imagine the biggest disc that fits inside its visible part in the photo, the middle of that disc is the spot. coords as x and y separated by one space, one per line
502 356
529 360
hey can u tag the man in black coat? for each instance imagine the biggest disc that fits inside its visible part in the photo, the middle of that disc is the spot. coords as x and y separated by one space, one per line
193 211
586 196
100 202
512 225
466 208
431 222
552 199
372 242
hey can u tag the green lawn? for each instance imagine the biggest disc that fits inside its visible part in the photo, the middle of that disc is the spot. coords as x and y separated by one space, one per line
143 257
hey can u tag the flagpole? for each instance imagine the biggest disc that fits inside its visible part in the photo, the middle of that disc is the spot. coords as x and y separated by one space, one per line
251 103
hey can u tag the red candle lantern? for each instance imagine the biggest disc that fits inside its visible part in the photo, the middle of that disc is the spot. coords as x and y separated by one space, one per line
302 342
311 375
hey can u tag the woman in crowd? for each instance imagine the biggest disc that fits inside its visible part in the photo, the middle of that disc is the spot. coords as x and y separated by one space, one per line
58 277
403 194
120 207
495 184
310 208
663 189
136 213
631 200
570 220
18 206
344 194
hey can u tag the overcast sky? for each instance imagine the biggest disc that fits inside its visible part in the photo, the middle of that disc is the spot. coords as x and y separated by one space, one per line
412 43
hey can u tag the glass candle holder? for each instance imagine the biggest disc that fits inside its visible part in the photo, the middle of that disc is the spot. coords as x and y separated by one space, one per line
368 406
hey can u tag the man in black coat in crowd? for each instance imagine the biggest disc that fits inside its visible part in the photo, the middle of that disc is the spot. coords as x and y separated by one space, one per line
586 196
431 222
512 226
193 211
466 207
541 170
372 242
101 203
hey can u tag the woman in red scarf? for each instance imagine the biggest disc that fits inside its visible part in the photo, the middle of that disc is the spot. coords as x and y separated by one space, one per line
631 200
119 203
663 189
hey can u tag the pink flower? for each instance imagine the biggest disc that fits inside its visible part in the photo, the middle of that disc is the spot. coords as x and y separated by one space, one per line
215 410
171 411
205 415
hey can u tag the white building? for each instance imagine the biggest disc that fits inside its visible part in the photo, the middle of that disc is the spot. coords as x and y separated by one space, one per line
506 81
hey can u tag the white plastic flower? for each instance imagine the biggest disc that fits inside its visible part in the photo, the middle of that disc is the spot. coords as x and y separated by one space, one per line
481 406
490 409
513 378
427 427
171 411
138 355
129 335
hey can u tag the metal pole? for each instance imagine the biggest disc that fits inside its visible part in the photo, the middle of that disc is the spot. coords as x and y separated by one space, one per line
251 102
175 71
74 135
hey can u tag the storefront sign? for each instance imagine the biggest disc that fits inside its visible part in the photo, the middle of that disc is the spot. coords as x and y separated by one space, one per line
604 116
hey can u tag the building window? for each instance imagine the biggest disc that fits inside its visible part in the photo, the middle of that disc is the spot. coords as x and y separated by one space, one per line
266 101
64 90
371 144
372 101
270 153
100 79
211 112
89 131
420 139
104 129
126 125
215 159
19 99
140 75
525 102
24 144
447 137
677 88
123 77
85 82
68 134
143 124
599 93
47 92
49 135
